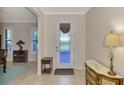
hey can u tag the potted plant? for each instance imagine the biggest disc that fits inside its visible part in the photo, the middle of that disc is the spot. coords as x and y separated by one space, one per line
20 43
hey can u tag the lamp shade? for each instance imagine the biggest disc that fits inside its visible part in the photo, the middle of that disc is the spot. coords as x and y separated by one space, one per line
112 40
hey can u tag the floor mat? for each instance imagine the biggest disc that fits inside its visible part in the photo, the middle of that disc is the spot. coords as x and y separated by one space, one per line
11 74
64 72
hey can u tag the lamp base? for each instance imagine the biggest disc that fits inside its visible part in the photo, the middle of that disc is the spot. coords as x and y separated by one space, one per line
112 73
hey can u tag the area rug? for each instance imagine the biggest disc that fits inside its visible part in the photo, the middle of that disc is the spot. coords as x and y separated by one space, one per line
64 72
11 74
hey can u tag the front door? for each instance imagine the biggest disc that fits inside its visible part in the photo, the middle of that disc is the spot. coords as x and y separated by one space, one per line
64 45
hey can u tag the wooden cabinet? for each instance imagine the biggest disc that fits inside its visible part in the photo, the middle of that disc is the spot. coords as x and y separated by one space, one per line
20 56
97 74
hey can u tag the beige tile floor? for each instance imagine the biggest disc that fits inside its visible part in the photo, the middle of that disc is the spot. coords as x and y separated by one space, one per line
30 77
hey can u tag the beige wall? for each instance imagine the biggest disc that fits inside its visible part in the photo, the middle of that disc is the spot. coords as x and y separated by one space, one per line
50 28
100 21
21 31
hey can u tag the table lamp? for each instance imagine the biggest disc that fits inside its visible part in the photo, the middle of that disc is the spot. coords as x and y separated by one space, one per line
112 40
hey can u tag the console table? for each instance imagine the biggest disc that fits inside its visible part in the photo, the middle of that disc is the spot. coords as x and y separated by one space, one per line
97 74
20 56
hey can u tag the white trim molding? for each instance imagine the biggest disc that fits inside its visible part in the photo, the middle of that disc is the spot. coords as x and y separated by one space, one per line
64 10
18 20
64 13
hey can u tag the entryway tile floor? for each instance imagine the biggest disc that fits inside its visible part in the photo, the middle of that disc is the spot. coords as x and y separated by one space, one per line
30 77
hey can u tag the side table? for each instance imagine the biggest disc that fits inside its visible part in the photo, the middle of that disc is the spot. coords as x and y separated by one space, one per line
46 64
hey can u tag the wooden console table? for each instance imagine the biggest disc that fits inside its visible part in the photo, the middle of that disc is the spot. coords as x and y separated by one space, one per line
46 64
97 74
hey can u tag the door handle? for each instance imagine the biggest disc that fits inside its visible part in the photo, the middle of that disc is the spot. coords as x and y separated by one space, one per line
57 49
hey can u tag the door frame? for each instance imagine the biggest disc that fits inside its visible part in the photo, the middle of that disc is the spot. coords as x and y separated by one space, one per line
37 12
58 64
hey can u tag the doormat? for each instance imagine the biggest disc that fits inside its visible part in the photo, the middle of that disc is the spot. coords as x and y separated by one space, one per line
64 72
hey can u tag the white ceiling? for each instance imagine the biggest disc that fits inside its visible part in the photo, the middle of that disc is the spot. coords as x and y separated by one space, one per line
64 10
8 14
16 14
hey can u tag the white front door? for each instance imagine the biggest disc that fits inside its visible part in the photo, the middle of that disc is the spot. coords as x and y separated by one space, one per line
64 45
